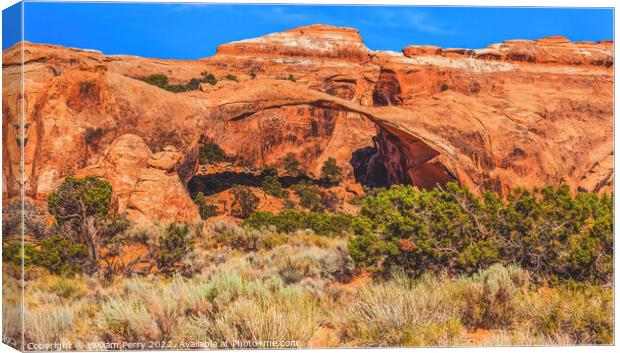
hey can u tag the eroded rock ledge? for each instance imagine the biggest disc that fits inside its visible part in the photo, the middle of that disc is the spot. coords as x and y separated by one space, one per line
549 50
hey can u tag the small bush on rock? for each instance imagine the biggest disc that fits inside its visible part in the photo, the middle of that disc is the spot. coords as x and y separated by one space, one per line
272 186
205 210
309 195
291 165
331 172
244 202
211 152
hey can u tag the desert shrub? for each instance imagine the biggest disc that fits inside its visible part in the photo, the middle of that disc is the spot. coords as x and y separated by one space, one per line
490 296
582 314
48 326
81 207
176 88
231 77
222 287
168 245
60 256
288 204
293 264
220 306
558 236
153 310
330 200
265 313
247 239
12 253
204 209
11 219
192 84
403 312
289 220
66 288
309 195
35 220
443 87
166 308
127 320
299 266
162 82
158 80
291 78
549 232
169 248
175 243
191 264
272 186
55 253
244 202
238 238
291 165
208 78
308 237
269 171
223 229
331 172
211 152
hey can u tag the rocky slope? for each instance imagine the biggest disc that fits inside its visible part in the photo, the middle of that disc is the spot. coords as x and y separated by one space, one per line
519 113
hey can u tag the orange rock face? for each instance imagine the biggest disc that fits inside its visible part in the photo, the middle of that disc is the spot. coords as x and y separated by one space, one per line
549 50
312 42
516 114
134 171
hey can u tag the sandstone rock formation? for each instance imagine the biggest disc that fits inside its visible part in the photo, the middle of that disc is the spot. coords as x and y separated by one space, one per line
516 114
312 42
146 185
550 50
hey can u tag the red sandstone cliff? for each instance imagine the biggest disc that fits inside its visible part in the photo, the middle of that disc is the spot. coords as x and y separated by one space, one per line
520 113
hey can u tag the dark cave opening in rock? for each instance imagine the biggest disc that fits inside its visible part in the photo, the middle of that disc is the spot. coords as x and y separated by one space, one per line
210 184
372 169
365 172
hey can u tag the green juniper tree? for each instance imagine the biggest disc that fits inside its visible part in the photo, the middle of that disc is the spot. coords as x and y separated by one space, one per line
550 232
204 209
82 209
331 172
272 186
244 201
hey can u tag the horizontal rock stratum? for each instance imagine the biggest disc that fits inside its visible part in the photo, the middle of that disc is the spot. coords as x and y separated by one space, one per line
522 113
550 50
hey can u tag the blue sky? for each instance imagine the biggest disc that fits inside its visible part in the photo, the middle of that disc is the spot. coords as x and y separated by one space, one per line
11 25
191 31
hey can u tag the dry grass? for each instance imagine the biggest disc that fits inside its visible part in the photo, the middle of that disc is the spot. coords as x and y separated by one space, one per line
51 325
266 312
402 312
296 288
11 310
